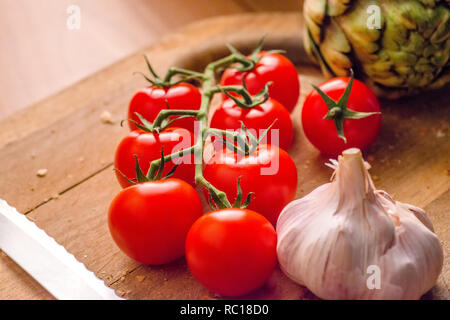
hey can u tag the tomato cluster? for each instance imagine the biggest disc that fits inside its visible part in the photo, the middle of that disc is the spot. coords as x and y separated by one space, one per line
159 217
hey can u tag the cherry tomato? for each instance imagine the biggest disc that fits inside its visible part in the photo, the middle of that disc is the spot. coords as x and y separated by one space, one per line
149 221
259 118
149 101
271 67
147 146
322 133
268 172
232 251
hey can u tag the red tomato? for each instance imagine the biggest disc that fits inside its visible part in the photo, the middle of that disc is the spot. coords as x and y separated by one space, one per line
322 133
269 172
229 116
147 146
232 251
149 221
149 101
271 67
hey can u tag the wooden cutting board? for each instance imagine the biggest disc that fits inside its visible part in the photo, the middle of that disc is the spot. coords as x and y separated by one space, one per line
65 135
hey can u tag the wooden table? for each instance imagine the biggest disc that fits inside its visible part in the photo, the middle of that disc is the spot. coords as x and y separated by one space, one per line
65 135
40 55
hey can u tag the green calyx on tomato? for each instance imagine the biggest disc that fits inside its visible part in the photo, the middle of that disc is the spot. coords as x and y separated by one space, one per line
151 175
242 142
254 57
160 124
248 101
216 204
338 110
167 80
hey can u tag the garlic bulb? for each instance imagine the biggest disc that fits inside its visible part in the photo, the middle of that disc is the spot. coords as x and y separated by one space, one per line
347 240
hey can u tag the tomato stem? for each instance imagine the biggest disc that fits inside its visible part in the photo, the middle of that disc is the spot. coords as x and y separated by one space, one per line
208 91
248 101
151 174
240 90
164 114
339 111
156 164
167 81
175 71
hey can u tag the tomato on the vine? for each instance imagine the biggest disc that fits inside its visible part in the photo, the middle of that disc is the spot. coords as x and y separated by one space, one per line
268 172
333 124
229 116
232 251
270 67
147 146
149 221
149 101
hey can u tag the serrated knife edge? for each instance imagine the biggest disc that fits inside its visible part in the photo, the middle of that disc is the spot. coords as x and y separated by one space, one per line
48 262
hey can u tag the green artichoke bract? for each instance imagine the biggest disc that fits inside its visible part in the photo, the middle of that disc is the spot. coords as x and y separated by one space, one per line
398 47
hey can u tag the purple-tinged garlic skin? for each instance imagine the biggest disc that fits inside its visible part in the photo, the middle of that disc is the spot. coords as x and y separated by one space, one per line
333 239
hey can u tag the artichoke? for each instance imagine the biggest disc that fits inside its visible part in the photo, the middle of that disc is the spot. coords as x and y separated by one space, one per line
399 47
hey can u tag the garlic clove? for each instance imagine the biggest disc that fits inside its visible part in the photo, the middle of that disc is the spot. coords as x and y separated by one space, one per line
347 240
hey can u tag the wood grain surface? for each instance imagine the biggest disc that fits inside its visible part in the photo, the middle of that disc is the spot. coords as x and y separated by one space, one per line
65 135
41 56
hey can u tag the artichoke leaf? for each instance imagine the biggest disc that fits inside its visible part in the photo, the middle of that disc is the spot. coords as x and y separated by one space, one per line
407 53
364 41
335 48
314 13
337 7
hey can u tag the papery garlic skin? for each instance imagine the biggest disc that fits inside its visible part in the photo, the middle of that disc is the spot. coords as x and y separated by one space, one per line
328 240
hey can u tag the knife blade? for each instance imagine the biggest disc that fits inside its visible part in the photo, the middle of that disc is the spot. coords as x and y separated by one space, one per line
47 261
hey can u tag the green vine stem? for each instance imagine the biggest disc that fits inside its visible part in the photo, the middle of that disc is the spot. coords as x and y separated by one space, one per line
208 91
164 114
248 101
174 71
